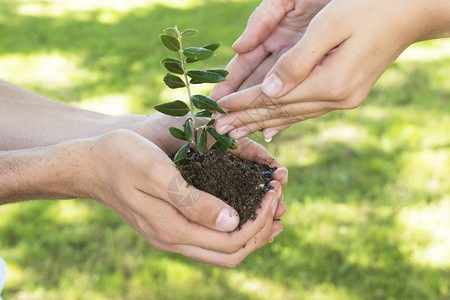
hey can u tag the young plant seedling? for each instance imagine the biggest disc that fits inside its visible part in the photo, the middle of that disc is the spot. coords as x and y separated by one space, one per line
180 77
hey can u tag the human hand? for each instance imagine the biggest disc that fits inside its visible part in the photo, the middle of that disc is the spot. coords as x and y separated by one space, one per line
274 27
345 49
144 188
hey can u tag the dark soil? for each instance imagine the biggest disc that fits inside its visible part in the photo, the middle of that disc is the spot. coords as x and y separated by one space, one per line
239 183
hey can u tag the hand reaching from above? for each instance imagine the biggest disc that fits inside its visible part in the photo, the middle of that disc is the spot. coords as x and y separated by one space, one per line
343 52
274 27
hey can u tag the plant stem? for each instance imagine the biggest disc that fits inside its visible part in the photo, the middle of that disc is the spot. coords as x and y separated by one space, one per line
188 88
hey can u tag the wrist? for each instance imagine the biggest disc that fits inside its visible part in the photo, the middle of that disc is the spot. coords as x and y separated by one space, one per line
432 20
153 127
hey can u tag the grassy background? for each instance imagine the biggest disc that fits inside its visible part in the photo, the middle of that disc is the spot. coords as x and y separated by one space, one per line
369 192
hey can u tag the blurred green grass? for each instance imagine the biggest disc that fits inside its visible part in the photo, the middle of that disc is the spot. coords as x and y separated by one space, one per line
368 197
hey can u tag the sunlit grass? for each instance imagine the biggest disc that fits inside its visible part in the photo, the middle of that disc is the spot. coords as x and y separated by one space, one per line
423 52
47 70
426 233
113 104
251 286
109 10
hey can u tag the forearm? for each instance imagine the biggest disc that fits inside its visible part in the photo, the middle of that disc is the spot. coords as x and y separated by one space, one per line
52 172
28 120
436 19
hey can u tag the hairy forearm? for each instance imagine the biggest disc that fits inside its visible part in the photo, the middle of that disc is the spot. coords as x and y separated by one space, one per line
29 120
58 171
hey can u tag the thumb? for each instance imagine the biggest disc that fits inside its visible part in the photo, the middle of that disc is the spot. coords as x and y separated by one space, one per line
296 64
200 207
261 24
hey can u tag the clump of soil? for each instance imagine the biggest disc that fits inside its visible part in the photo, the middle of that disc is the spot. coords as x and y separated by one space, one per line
240 184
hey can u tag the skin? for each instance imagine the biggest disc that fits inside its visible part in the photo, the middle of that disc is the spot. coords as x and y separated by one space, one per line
299 59
54 151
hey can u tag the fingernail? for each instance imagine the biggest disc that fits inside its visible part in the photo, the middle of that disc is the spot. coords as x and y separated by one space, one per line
239 134
224 129
269 133
274 235
227 220
272 86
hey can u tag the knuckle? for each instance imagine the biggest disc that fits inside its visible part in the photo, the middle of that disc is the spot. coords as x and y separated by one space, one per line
350 104
324 23
233 248
166 238
159 246
356 100
267 101
337 90
233 262
287 67
119 134
118 139
283 114
353 100
296 119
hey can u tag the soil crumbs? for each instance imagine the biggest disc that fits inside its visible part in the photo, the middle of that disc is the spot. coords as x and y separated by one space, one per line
240 184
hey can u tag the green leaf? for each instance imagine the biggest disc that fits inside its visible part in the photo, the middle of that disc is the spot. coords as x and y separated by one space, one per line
222 72
212 46
177 133
194 54
173 81
204 113
181 154
175 108
223 142
170 42
234 145
172 65
188 129
200 76
205 102
202 141
189 32
210 122
172 31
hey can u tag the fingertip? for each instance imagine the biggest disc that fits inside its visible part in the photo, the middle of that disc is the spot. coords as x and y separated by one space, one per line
245 43
224 129
281 210
220 90
281 174
276 231
237 45
269 133
227 220
276 185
